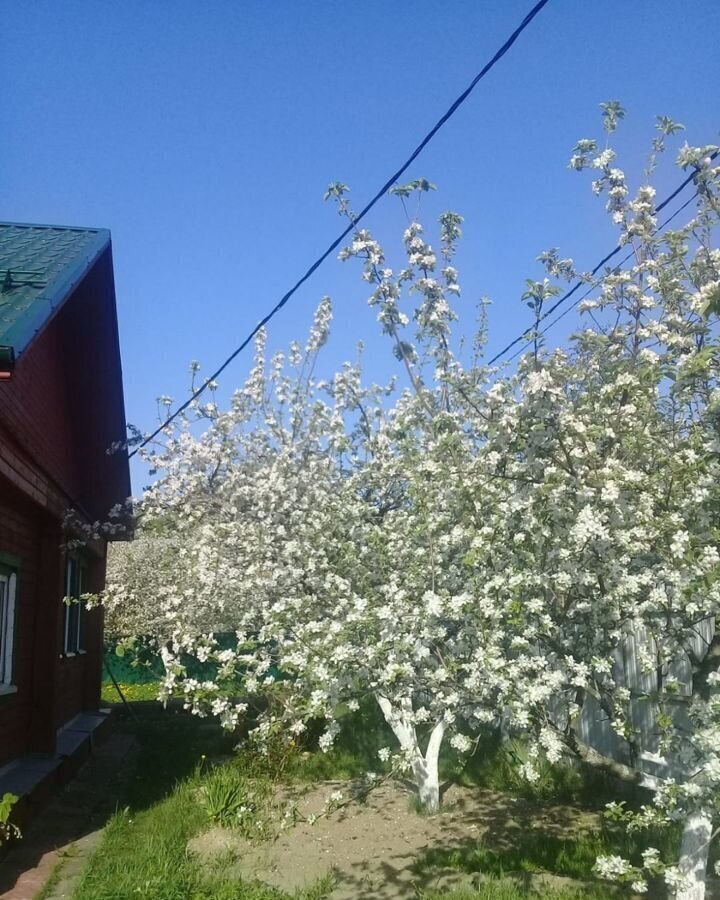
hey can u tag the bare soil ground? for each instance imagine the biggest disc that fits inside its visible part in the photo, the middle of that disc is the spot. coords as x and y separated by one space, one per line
376 848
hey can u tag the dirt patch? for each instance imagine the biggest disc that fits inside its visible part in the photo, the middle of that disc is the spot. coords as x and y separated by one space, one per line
373 848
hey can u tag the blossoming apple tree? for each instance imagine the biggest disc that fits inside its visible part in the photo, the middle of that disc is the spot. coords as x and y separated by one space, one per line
600 561
320 526
541 544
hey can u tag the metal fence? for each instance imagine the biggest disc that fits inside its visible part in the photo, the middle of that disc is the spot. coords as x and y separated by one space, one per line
596 728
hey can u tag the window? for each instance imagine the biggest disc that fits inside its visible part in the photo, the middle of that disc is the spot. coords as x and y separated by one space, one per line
8 580
74 640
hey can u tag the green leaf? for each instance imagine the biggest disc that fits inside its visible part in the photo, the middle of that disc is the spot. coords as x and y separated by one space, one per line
711 307
613 112
666 125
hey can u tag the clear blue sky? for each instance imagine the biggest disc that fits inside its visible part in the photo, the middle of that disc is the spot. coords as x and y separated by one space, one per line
204 134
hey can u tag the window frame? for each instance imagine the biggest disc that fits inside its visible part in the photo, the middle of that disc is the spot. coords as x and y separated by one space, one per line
8 625
74 613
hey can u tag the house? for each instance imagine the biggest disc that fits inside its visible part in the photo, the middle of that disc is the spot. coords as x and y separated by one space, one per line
61 408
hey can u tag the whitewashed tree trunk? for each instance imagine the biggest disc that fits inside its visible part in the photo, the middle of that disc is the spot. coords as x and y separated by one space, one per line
424 765
694 849
697 830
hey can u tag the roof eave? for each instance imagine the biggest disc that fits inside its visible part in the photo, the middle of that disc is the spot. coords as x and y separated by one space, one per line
56 293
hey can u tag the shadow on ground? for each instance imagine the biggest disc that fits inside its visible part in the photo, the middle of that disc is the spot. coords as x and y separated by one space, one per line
72 816
149 751
383 849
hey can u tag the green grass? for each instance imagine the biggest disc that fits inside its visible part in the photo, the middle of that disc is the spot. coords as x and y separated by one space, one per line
495 766
131 692
177 792
519 851
508 890
354 753
143 852
231 799
505 889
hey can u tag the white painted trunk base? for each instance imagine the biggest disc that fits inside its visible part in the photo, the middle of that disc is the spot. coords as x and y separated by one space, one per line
694 849
424 765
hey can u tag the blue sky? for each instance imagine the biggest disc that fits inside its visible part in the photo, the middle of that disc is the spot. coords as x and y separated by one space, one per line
204 134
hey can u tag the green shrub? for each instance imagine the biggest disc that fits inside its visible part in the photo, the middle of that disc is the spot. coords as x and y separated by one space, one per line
232 800
7 829
495 765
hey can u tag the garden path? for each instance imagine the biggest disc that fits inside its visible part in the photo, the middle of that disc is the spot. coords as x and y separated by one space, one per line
55 846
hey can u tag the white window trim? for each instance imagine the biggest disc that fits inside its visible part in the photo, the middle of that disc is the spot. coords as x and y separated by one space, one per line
78 630
7 632
78 650
66 613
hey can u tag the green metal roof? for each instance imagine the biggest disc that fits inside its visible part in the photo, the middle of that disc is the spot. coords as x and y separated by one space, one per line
40 265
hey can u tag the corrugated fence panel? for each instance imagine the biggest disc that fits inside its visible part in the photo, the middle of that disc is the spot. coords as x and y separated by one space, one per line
595 727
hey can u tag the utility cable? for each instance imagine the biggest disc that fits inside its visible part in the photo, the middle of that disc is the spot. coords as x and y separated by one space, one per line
576 287
355 220
593 286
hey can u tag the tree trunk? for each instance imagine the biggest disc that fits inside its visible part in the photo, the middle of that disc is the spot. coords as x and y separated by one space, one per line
694 849
424 766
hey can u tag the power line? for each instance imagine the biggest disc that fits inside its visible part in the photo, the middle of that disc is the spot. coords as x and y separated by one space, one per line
576 287
593 286
356 219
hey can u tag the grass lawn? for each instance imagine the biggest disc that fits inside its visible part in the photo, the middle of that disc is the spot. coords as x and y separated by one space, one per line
131 692
175 795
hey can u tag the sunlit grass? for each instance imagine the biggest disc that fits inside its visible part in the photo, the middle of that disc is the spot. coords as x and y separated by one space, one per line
131 692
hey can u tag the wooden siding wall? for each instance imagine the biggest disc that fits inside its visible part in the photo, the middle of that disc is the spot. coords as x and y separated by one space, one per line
58 415
63 406
78 677
19 536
